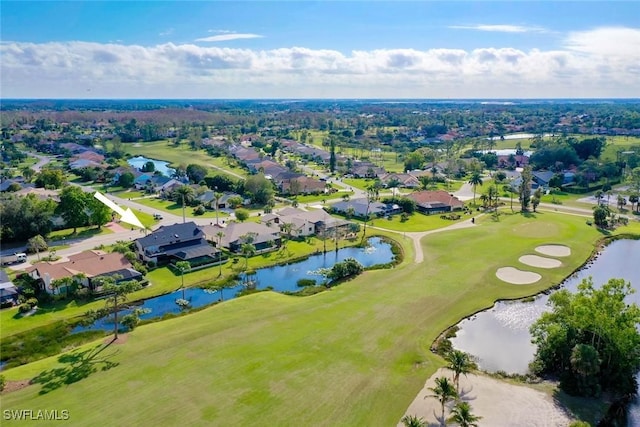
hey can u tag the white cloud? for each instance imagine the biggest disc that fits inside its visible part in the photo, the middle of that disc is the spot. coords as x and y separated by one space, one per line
229 36
166 33
587 67
609 41
500 28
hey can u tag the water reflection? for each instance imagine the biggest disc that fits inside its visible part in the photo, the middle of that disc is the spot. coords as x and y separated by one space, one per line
500 338
280 278
163 167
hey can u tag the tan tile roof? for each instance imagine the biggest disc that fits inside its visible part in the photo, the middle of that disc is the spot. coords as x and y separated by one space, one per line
427 197
89 263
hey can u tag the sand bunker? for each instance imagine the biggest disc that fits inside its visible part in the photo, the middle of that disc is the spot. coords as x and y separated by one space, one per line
539 261
554 250
517 277
498 403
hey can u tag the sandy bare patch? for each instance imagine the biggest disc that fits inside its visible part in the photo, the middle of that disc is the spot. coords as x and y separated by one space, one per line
554 250
122 338
16 385
498 403
517 277
539 261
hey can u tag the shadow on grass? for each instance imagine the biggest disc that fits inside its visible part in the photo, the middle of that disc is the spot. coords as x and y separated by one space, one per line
586 409
77 366
84 234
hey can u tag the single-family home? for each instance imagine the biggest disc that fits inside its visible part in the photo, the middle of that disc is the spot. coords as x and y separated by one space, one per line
84 267
262 237
405 180
439 201
8 291
360 208
366 170
300 184
177 242
307 223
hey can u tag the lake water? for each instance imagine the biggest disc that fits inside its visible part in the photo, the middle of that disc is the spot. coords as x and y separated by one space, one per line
505 327
281 278
161 166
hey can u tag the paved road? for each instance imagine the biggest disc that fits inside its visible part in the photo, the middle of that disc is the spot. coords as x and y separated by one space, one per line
42 161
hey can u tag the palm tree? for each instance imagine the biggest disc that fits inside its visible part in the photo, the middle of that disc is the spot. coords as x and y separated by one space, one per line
372 196
247 248
459 363
286 228
461 414
444 392
475 180
219 236
413 421
183 267
184 191
216 197
485 200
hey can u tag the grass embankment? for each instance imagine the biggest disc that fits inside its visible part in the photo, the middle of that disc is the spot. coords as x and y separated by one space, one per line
356 355
162 280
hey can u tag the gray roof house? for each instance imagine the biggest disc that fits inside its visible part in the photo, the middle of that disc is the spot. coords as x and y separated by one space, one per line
177 242
360 208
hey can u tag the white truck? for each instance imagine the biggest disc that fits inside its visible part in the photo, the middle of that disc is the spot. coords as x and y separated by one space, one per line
16 258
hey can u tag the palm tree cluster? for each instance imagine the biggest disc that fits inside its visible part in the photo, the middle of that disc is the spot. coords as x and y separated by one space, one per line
446 390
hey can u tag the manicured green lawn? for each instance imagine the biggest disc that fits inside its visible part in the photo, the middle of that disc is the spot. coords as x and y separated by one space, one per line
182 155
416 222
81 232
162 280
175 209
356 355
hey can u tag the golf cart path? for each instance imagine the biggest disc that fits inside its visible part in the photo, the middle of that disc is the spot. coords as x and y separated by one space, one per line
417 236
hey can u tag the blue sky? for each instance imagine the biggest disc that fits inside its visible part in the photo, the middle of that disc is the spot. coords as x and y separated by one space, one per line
330 49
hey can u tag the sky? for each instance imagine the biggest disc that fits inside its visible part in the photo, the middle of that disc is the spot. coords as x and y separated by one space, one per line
328 49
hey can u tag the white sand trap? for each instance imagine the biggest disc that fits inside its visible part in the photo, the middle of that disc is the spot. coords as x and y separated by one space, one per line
539 261
517 277
499 403
554 250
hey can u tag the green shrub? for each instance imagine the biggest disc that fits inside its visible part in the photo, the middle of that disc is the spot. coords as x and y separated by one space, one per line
3 382
306 282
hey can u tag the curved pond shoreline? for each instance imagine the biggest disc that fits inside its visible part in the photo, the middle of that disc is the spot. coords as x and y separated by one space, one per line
282 278
505 325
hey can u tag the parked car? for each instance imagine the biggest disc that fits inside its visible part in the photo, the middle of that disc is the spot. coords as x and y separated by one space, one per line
157 217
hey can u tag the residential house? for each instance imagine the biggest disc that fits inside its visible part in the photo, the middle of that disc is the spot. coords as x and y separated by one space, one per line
300 184
307 223
141 181
405 180
83 163
262 237
89 155
223 203
542 178
85 266
358 208
366 170
177 242
8 291
40 193
513 160
439 201
7 183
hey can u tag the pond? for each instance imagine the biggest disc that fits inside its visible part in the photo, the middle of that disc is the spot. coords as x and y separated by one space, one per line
163 167
281 278
505 327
